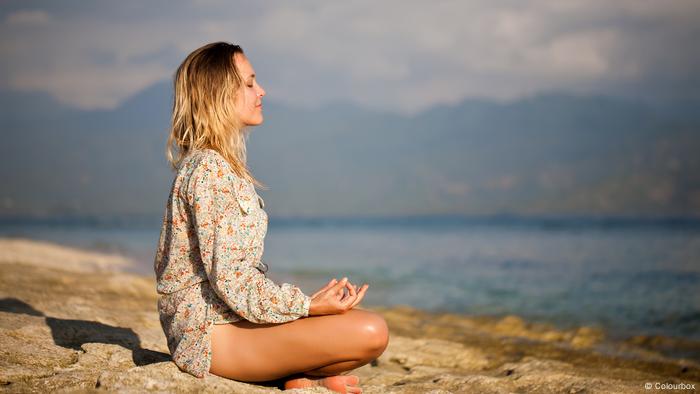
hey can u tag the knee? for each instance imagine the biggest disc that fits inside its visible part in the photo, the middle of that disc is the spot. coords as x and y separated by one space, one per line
375 333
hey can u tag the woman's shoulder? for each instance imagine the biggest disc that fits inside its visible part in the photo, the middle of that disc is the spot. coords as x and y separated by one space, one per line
207 166
203 159
206 171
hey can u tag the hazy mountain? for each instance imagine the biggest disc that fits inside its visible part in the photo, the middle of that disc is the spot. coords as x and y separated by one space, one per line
547 154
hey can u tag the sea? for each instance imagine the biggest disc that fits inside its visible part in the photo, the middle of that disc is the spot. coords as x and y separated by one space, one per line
627 276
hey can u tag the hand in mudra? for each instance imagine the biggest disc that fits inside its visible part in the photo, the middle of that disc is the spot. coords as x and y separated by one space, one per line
332 299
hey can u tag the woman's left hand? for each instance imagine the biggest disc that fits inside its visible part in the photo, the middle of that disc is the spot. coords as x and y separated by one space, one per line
341 295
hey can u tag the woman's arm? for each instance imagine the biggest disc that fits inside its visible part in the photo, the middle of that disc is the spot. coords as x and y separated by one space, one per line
222 246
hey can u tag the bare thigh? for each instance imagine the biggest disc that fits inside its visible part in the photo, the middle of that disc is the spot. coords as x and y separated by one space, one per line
258 352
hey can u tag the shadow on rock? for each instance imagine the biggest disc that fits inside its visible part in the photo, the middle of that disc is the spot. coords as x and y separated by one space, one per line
72 334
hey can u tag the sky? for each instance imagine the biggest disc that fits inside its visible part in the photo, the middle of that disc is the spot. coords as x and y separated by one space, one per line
398 56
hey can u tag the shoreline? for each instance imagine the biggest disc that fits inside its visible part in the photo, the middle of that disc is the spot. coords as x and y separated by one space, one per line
135 263
71 317
515 325
619 293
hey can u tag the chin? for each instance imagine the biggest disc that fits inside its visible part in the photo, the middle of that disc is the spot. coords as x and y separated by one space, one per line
254 122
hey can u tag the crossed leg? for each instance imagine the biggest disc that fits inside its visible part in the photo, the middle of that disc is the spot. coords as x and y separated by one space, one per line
315 346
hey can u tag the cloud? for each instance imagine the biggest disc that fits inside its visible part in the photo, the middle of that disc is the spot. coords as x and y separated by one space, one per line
392 55
99 87
27 18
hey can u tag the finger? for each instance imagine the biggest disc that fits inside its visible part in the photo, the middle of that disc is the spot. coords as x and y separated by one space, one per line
341 283
348 301
360 295
341 294
352 291
338 287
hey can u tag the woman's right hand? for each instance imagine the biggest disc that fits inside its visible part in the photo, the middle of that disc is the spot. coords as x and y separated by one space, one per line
329 300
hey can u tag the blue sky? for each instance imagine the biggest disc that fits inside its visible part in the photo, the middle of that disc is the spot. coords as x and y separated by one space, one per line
392 55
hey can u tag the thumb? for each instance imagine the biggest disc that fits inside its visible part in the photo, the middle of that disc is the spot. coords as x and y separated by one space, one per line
338 287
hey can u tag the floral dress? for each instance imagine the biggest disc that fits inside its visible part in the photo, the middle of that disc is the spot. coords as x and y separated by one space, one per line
208 264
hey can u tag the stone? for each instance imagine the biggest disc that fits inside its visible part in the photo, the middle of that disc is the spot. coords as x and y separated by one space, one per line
85 326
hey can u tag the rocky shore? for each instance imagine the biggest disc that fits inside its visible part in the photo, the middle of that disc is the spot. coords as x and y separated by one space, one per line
70 321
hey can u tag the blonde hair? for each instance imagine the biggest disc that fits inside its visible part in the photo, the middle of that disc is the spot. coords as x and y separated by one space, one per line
204 116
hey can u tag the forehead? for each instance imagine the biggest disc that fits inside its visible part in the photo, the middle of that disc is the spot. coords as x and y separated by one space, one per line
243 65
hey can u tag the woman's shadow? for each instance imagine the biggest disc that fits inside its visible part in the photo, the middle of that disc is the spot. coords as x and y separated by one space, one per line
72 334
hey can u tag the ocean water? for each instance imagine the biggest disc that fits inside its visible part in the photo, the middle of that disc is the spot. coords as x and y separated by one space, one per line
628 277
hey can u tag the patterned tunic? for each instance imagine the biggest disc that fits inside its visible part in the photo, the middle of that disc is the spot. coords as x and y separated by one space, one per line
208 261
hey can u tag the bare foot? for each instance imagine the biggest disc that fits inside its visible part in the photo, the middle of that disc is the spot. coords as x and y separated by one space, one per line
339 383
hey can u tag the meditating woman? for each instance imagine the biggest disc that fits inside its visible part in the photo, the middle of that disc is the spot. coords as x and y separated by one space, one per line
221 315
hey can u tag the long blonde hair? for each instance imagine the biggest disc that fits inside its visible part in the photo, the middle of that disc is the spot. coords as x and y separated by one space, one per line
204 116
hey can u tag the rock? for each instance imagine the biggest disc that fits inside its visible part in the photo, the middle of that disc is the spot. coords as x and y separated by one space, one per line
410 353
92 328
45 254
28 351
150 378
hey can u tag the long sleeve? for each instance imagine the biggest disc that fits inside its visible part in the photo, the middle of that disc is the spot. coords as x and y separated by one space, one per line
226 241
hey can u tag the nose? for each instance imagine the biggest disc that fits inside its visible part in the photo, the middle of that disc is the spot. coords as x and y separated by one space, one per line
261 91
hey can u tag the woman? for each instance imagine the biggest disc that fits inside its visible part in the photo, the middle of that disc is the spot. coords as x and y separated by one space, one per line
219 312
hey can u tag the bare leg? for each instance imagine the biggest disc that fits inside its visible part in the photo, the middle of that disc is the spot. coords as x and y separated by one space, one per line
317 345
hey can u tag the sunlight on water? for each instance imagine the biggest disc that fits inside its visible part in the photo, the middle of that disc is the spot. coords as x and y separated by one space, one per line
627 280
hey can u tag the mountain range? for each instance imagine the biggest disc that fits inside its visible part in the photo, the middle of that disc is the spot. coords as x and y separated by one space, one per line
547 154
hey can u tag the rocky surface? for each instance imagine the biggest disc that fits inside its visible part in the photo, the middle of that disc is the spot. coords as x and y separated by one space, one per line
70 322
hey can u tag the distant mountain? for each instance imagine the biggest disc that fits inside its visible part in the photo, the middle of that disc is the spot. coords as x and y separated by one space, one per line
546 154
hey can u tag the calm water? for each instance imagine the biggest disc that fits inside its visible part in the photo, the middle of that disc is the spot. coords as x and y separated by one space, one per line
627 279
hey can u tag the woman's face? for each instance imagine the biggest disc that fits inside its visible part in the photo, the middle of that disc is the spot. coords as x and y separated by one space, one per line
249 101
